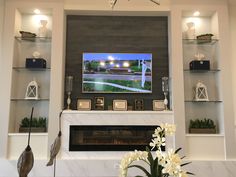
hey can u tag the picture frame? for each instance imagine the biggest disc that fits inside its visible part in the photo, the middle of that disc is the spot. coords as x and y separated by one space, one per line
99 103
120 105
84 104
158 105
138 104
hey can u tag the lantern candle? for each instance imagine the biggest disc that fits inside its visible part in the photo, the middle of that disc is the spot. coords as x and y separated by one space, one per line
69 86
165 89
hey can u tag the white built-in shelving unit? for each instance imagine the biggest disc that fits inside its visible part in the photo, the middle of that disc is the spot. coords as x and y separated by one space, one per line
20 16
51 80
206 146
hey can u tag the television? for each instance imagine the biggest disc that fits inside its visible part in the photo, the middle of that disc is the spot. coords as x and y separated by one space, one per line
117 73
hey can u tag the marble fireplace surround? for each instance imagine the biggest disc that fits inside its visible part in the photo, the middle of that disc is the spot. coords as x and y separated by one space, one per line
106 164
109 118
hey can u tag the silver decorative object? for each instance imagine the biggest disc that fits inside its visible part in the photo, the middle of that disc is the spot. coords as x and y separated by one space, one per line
26 160
69 86
113 2
165 90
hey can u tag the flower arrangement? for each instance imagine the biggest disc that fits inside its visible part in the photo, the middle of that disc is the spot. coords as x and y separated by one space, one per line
166 163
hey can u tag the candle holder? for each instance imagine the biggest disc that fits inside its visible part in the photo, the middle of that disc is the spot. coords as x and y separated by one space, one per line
69 86
165 90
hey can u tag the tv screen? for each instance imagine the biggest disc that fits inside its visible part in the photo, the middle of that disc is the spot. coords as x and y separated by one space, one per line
117 73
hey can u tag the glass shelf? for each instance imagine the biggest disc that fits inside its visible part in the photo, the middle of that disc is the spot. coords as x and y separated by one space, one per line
33 39
31 69
210 101
200 42
202 71
22 99
204 135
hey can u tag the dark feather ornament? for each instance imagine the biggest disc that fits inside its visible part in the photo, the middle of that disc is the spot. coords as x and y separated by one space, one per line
26 160
55 147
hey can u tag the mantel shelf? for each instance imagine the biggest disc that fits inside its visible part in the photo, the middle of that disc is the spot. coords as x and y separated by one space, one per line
117 112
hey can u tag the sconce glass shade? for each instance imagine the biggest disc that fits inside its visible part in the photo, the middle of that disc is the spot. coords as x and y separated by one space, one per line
69 83
165 84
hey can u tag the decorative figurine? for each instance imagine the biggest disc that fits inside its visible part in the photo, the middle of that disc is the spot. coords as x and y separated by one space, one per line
199 56
190 33
165 90
32 91
69 86
36 54
43 30
201 92
26 160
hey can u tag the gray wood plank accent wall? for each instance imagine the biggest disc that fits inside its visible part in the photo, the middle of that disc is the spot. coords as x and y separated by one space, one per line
117 34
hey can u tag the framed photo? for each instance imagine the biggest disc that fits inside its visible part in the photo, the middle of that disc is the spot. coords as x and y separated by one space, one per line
120 105
158 105
83 104
138 104
99 103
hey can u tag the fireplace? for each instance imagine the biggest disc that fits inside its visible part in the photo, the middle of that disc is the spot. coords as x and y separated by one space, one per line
109 137
72 148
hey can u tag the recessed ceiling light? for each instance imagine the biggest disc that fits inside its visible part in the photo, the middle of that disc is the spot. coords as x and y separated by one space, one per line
37 11
196 13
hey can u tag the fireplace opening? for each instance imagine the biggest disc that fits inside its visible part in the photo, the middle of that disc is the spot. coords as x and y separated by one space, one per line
109 138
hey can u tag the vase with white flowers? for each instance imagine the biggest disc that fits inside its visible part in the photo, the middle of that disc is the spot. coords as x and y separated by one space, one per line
164 164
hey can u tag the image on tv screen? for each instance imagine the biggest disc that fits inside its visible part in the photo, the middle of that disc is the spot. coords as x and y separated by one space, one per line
117 73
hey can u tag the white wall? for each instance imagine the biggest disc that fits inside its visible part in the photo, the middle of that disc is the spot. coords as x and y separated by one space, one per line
1 24
232 15
121 5
1 36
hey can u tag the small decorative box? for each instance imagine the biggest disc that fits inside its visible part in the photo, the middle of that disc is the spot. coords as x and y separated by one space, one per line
35 63
199 65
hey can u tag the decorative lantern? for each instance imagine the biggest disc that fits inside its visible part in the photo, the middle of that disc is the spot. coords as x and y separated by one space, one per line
201 92
32 91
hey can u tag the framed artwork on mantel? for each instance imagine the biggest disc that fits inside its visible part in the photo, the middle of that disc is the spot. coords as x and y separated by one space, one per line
120 105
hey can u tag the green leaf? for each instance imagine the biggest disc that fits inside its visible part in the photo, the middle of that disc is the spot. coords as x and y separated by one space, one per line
185 164
150 158
141 168
154 168
189 173
177 150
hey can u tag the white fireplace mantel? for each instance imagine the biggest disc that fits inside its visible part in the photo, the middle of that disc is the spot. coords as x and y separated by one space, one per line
109 118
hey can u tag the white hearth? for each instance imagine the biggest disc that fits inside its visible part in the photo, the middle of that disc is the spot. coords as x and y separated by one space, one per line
109 118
